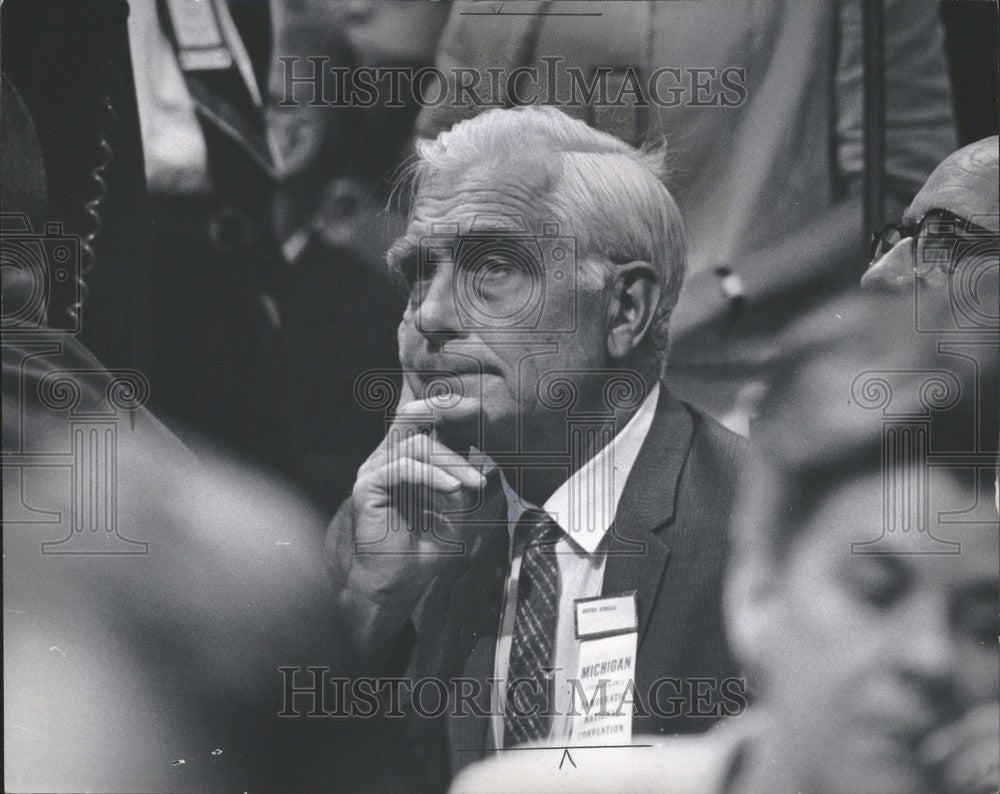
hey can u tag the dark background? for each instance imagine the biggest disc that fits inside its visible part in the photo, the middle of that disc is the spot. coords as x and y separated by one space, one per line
971 43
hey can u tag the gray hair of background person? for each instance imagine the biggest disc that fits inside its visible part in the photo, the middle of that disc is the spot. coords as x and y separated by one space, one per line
610 196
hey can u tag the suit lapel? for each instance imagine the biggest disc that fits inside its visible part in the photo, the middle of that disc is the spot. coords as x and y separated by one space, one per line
477 599
637 557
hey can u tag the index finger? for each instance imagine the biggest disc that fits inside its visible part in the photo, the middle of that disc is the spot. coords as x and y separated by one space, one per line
461 411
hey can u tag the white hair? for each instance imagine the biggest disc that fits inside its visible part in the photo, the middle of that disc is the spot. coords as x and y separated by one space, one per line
611 195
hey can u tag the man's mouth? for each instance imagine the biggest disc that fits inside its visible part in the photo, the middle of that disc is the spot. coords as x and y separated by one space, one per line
456 368
461 381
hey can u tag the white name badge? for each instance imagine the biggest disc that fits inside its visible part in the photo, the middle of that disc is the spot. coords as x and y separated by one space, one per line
604 687
606 615
199 36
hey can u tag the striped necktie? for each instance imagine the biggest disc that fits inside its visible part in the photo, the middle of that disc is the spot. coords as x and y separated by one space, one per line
533 642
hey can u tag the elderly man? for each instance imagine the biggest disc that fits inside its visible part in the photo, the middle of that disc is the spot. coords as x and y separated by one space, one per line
767 176
543 259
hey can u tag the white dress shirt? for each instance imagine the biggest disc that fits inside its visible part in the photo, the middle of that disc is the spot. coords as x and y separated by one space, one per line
584 506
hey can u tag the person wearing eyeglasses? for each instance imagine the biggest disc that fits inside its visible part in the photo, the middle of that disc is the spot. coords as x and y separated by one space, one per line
948 244
951 225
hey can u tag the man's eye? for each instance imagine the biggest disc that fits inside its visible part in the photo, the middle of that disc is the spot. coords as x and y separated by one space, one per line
976 616
407 269
878 582
495 276
415 277
935 250
500 270
938 230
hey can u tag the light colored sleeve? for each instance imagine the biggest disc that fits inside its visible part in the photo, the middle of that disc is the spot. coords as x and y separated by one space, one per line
920 123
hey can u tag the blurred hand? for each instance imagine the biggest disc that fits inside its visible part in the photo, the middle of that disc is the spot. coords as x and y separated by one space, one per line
966 754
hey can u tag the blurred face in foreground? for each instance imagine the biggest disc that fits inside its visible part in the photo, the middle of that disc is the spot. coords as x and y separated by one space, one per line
881 671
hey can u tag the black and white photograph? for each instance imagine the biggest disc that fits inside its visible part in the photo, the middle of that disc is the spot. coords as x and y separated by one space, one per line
515 396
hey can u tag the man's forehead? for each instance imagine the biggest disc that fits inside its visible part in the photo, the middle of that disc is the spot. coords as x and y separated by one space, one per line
500 196
963 185
860 509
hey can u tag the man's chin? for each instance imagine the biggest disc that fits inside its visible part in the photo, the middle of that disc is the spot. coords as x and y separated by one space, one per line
461 436
495 433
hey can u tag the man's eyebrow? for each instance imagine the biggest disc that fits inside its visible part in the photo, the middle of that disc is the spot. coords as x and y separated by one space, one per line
500 226
499 229
403 249
910 217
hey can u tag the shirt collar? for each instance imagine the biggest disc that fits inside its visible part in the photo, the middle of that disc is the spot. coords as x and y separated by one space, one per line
585 505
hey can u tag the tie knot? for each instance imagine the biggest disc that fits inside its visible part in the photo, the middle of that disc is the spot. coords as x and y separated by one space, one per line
539 528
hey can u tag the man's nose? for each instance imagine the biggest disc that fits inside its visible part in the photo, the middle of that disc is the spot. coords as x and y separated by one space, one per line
927 653
894 271
437 313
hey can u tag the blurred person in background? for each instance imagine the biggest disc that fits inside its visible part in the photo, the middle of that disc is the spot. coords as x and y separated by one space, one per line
271 295
334 221
766 163
863 587
950 230
946 250
862 591
211 166
150 594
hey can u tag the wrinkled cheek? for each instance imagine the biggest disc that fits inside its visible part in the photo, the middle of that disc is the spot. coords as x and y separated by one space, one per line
524 390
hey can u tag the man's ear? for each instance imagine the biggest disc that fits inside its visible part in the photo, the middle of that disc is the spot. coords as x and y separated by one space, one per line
635 295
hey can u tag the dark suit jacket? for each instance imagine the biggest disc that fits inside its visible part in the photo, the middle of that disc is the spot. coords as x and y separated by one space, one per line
669 544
